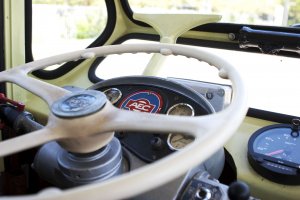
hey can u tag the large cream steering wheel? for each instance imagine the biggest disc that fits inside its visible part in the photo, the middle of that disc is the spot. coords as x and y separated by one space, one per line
76 128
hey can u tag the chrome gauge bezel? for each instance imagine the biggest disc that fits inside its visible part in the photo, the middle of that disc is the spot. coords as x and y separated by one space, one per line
114 89
169 142
275 169
182 104
171 145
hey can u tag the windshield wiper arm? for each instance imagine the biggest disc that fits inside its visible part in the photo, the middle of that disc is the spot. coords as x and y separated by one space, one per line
269 42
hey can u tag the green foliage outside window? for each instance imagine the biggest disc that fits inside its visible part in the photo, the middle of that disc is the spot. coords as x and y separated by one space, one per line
86 28
83 19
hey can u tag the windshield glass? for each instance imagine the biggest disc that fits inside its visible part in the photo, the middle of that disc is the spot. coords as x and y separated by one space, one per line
262 12
271 80
61 26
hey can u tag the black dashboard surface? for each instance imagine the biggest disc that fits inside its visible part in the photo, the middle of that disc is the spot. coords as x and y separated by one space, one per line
153 95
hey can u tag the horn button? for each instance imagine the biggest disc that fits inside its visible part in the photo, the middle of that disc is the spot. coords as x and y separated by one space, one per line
79 104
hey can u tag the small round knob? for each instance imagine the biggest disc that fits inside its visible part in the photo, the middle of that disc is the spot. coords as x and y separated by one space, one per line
157 143
238 191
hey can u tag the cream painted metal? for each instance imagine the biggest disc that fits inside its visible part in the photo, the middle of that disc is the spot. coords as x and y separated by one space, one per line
170 27
14 42
211 131
260 187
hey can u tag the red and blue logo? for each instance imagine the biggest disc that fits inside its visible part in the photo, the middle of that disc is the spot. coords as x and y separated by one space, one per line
143 101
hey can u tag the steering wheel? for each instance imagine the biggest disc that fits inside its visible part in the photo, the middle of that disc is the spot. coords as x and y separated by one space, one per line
86 121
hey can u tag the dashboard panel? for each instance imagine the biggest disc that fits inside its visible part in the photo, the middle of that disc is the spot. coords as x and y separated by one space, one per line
260 186
154 95
219 96
189 98
165 96
169 96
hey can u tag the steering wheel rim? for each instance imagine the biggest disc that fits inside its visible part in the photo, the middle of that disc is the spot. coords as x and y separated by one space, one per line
210 132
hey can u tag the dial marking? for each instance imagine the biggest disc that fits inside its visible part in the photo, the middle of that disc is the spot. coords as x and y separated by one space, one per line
275 152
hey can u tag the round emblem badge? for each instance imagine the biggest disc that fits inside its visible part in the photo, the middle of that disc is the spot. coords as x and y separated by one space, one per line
142 101
79 104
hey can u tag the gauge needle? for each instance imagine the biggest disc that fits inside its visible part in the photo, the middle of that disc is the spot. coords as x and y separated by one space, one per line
274 152
180 138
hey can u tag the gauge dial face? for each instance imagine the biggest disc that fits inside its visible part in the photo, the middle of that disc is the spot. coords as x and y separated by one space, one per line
113 94
278 143
182 109
179 141
273 152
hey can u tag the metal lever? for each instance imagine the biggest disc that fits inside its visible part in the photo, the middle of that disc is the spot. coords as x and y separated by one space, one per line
20 106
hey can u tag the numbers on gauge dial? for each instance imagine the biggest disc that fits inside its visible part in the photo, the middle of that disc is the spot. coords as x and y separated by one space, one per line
278 145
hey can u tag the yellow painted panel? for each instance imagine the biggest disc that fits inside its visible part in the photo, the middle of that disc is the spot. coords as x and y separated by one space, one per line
260 187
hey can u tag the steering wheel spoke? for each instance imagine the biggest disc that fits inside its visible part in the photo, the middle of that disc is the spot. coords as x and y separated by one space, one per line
124 120
46 91
27 141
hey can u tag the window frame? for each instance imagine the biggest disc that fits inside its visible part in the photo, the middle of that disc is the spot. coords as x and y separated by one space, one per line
223 28
65 68
2 52
2 45
230 28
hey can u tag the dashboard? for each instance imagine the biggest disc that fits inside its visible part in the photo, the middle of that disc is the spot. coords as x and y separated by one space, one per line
170 96
264 155
154 95
213 179
259 184
165 96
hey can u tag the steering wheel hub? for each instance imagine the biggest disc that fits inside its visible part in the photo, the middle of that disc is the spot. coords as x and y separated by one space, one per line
79 104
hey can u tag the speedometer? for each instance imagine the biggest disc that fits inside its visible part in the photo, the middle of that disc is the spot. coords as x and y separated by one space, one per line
274 152
179 141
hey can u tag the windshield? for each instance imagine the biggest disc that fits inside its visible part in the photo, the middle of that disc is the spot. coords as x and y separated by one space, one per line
69 25
271 80
261 12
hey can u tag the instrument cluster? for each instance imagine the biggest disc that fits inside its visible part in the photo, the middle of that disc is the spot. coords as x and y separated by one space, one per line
163 96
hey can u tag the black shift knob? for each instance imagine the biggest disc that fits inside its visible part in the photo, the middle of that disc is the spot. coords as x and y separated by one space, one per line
238 190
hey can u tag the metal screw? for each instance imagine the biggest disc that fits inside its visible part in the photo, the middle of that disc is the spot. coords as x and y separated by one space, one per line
209 95
157 143
221 92
231 36
296 124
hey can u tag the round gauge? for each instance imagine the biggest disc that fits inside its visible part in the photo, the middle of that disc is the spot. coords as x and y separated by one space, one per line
113 94
179 141
274 152
181 109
